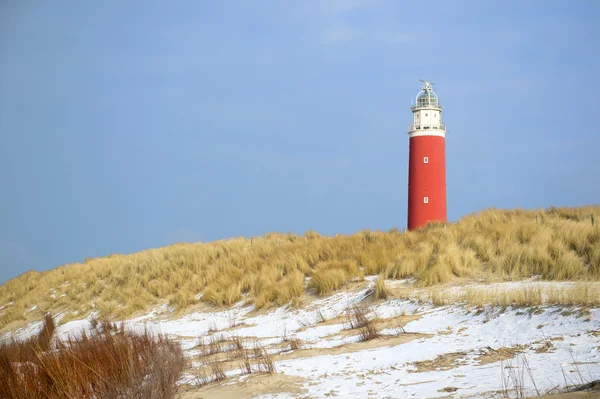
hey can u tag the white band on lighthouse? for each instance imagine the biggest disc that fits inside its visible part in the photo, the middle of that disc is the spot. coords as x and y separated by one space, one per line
418 133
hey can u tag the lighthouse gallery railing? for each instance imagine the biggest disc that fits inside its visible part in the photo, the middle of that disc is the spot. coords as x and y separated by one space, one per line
438 126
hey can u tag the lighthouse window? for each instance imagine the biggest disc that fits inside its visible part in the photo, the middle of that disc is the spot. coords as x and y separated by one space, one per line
425 159
425 200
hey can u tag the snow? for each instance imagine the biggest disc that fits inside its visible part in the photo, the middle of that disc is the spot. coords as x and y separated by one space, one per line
388 370
73 329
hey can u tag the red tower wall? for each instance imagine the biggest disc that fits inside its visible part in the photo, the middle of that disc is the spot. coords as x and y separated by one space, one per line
426 180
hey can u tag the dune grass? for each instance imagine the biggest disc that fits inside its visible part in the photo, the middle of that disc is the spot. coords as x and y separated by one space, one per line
380 291
531 294
555 244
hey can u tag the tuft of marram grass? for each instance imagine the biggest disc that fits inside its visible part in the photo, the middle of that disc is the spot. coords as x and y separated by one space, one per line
380 291
557 244
331 275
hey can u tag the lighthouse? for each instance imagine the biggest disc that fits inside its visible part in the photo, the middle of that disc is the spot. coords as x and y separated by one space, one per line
426 160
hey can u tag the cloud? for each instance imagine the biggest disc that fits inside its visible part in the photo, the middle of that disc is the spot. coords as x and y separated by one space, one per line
183 234
339 34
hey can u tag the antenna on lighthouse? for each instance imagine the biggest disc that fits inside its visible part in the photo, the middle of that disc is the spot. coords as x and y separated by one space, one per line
427 83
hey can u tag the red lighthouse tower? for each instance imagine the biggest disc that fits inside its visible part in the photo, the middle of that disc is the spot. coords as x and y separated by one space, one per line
426 161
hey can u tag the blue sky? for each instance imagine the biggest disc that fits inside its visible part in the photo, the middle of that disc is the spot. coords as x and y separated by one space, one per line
128 125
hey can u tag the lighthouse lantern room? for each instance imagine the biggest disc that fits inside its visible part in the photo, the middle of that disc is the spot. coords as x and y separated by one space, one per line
426 160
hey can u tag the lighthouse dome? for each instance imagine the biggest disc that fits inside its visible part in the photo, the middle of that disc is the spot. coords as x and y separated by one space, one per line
427 98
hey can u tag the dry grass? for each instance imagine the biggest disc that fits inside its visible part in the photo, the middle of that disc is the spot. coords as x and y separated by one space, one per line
216 369
514 378
294 343
583 294
218 355
244 362
255 360
556 244
380 290
107 364
216 343
331 275
264 360
578 294
358 319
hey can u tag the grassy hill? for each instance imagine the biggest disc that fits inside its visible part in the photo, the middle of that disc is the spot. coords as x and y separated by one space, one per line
554 244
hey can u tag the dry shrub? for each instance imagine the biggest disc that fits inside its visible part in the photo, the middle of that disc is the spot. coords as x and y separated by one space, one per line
105 364
211 367
368 333
217 371
244 361
357 319
263 359
295 343
237 342
217 343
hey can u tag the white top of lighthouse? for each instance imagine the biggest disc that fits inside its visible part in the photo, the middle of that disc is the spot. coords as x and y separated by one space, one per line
427 113
427 96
